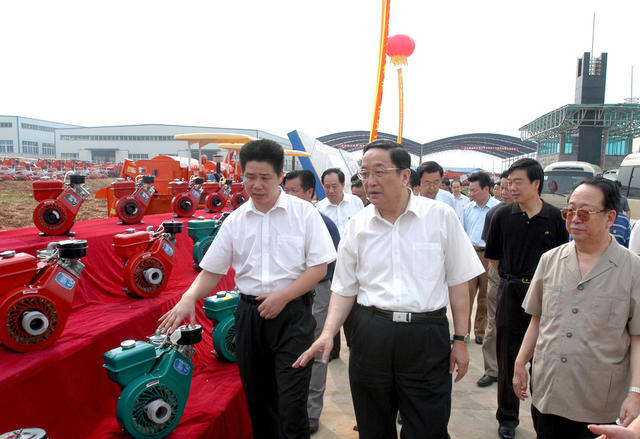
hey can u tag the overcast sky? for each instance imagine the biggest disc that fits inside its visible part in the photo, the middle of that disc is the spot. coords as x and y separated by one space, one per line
478 66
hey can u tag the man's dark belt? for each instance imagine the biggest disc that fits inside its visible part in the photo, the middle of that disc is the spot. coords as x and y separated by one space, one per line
307 299
512 278
406 317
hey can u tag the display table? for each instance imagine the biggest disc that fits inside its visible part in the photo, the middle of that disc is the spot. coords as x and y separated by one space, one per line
65 390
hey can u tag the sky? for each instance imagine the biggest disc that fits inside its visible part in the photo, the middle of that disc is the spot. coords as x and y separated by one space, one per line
280 65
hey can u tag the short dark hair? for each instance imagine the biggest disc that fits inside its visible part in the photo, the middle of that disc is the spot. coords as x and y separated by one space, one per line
307 179
429 168
496 183
356 183
533 168
610 191
483 179
455 181
618 184
505 174
415 181
263 150
333 171
355 179
446 182
399 156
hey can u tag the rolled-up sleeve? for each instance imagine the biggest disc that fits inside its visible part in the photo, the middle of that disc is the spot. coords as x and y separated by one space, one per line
319 248
345 280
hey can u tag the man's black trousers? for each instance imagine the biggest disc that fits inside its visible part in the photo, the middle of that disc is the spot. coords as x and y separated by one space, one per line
276 393
511 325
400 366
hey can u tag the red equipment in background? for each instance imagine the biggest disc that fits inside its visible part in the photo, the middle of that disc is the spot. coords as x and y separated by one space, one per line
216 199
186 197
148 258
37 294
58 207
238 195
133 198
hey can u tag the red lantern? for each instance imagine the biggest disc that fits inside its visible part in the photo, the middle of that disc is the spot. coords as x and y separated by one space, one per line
399 47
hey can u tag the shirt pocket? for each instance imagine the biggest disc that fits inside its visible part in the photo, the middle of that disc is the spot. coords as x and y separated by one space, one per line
428 260
550 301
289 251
609 312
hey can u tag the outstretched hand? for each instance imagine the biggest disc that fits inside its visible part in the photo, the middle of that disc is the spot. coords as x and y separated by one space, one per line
185 308
323 345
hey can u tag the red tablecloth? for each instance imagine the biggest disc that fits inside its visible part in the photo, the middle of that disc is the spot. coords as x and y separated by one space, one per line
65 390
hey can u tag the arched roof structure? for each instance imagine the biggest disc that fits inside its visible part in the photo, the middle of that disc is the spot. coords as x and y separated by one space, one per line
498 145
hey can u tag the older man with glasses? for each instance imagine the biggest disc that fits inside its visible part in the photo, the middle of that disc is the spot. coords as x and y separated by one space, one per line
584 302
401 357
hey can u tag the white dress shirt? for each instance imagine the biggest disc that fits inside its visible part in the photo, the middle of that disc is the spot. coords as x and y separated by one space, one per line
268 251
459 203
341 213
407 265
446 197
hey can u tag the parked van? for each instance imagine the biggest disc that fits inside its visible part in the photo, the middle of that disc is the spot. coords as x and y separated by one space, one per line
629 177
561 177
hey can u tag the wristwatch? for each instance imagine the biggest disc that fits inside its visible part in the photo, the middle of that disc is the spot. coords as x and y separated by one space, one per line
634 389
463 338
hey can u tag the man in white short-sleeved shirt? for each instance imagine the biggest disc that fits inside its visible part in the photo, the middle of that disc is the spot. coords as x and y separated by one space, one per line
279 248
401 261
337 205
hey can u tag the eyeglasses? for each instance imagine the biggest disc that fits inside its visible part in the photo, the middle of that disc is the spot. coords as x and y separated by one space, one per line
364 174
583 214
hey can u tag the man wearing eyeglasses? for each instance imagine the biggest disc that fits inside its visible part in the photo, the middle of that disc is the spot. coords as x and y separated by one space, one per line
519 234
337 205
430 176
401 261
584 302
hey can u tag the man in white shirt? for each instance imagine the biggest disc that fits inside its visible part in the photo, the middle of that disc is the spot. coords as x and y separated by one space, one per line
402 260
430 175
279 248
337 205
473 222
460 200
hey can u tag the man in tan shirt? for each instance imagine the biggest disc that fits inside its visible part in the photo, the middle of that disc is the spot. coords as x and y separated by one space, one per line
584 301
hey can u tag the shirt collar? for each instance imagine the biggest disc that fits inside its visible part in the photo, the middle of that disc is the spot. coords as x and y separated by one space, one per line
613 253
281 202
412 206
544 212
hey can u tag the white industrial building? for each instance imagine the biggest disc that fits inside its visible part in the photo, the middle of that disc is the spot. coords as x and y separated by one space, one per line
34 138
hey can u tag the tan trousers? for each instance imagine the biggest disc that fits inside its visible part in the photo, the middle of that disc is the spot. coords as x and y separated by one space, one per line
478 285
489 345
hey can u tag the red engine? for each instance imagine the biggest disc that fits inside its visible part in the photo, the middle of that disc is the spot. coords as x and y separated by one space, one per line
133 198
148 258
58 207
36 294
238 195
216 199
186 197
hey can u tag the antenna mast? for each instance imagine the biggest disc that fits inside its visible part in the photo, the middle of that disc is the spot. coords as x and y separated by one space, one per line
593 33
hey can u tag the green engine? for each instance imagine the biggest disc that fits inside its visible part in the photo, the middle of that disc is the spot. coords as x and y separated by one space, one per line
221 309
155 378
202 232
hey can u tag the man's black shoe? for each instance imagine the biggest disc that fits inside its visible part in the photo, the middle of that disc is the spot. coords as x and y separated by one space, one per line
506 432
479 339
314 424
486 381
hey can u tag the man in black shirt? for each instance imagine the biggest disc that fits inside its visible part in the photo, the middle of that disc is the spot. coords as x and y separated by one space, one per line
519 234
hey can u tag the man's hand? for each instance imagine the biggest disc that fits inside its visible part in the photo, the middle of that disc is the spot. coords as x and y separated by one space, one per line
272 305
612 432
630 408
520 380
323 344
460 357
185 308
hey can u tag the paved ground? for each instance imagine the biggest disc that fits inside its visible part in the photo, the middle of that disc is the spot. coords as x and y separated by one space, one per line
472 415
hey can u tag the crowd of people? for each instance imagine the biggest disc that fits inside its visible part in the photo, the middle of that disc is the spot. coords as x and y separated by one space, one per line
557 296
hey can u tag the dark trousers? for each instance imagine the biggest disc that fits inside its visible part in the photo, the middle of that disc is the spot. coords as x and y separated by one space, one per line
276 393
399 366
511 324
556 427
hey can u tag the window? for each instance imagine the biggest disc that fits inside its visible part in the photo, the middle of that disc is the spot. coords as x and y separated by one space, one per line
69 155
548 147
6 124
29 147
616 146
138 156
118 138
48 149
28 126
6 145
